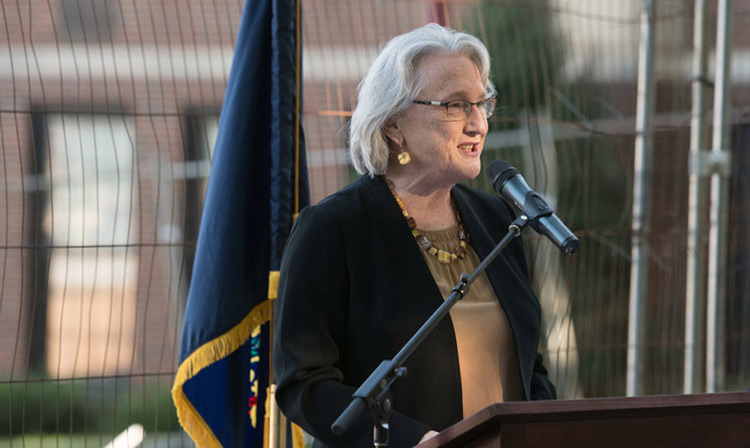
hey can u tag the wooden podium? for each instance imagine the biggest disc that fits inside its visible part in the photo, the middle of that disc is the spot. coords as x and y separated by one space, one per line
706 420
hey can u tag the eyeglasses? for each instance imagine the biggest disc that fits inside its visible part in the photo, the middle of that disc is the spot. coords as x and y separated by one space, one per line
461 109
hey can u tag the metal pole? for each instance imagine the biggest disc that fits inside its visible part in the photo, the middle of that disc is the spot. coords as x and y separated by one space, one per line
641 185
695 285
717 243
273 424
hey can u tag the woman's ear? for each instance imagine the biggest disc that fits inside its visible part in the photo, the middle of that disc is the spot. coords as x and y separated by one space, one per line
393 132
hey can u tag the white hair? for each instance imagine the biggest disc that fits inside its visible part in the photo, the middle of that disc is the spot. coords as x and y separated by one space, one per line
391 85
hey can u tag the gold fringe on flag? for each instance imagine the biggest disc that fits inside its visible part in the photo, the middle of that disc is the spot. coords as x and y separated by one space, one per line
298 437
273 284
205 355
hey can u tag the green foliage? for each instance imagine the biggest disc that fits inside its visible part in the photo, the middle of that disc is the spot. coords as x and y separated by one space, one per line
52 441
93 406
41 406
595 185
525 49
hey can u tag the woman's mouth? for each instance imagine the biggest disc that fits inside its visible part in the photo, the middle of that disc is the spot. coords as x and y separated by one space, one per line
471 148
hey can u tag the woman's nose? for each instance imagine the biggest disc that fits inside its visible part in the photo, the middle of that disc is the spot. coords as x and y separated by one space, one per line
476 121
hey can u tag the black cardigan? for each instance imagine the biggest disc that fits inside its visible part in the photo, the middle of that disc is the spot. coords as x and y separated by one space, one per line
354 288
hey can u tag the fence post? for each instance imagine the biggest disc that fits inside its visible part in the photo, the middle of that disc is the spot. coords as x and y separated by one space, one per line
641 185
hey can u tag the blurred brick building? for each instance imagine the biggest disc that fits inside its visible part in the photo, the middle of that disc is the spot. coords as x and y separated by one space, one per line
108 114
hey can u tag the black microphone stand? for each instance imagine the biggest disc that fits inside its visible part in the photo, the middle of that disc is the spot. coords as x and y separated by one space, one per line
374 392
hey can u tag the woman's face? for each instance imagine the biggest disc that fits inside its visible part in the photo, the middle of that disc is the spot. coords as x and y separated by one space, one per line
444 151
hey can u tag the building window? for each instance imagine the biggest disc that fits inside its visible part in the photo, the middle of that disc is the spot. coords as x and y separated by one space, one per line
206 130
89 220
201 131
90 20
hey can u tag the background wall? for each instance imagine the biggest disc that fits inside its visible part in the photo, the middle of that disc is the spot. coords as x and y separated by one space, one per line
108 115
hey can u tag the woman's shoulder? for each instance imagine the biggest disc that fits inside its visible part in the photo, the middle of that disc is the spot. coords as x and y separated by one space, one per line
340 205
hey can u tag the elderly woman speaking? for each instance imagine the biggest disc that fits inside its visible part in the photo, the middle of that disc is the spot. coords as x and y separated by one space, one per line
365 267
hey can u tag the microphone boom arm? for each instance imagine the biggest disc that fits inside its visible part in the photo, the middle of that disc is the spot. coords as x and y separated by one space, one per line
373 393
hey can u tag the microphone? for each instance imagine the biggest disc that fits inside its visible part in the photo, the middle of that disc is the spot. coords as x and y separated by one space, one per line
511 186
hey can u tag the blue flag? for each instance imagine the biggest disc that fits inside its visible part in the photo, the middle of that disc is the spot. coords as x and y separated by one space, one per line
257 185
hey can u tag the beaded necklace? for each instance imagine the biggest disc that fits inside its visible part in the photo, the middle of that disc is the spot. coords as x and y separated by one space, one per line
424 242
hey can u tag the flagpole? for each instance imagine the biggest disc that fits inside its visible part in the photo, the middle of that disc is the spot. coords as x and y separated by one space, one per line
275 413
273 423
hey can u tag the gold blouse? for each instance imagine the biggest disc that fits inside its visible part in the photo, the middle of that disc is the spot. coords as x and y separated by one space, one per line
486 350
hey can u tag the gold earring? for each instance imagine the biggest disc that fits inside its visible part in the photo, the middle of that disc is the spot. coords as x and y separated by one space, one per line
403 156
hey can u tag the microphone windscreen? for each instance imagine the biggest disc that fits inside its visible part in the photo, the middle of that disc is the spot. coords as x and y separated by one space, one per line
498 172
